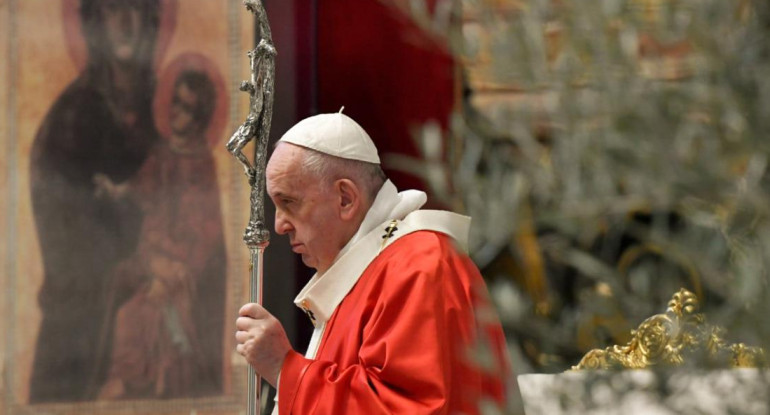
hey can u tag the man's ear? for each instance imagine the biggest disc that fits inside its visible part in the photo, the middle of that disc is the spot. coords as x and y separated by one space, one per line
350 201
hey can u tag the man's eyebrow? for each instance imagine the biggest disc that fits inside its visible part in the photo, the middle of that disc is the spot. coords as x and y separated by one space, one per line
281 195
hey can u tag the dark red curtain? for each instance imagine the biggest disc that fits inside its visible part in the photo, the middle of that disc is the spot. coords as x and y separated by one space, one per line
390 76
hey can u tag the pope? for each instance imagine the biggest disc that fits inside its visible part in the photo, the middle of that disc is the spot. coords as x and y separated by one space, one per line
403 323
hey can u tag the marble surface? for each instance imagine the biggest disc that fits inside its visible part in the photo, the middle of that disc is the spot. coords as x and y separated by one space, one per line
735 391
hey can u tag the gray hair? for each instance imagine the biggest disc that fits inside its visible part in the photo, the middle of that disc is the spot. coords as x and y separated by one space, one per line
368 176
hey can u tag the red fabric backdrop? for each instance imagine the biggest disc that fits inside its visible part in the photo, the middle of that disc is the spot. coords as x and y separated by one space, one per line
390 76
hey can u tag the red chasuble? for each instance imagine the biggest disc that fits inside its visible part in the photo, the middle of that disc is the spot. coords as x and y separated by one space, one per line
415 335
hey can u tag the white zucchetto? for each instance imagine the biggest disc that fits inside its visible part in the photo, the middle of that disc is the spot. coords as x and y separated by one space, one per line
335 134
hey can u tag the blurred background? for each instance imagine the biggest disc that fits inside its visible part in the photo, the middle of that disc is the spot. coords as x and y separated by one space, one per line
610 153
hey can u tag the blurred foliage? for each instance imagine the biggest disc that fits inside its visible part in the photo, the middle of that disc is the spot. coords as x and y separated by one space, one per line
609 152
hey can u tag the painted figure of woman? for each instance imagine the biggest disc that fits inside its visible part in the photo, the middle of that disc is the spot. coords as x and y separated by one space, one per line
100 125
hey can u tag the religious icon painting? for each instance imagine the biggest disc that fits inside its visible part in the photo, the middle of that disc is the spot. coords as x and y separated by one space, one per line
115 185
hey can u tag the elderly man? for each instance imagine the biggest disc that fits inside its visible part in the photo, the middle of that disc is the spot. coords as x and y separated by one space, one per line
401 316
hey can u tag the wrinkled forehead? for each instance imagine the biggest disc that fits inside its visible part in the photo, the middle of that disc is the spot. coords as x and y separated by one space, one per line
285 158
285 166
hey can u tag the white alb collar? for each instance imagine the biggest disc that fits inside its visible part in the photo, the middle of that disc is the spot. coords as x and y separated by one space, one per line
389 204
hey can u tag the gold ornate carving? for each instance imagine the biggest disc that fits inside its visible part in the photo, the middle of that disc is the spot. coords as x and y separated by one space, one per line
680 335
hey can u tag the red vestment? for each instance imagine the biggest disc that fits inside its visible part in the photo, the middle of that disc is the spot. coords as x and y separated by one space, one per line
415 335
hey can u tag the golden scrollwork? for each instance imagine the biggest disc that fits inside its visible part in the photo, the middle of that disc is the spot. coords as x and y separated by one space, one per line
678 336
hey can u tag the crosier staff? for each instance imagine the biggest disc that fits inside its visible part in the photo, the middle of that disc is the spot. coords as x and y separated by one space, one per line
257 126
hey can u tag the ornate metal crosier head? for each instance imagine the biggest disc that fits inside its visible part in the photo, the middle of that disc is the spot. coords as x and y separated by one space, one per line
679 336
257 125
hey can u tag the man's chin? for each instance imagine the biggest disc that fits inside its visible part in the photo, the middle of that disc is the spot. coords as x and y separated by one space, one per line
311 263
308 261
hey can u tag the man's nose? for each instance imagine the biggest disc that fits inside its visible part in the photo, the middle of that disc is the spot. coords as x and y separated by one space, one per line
282 226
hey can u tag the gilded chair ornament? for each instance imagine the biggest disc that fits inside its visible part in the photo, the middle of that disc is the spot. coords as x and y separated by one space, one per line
679 336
